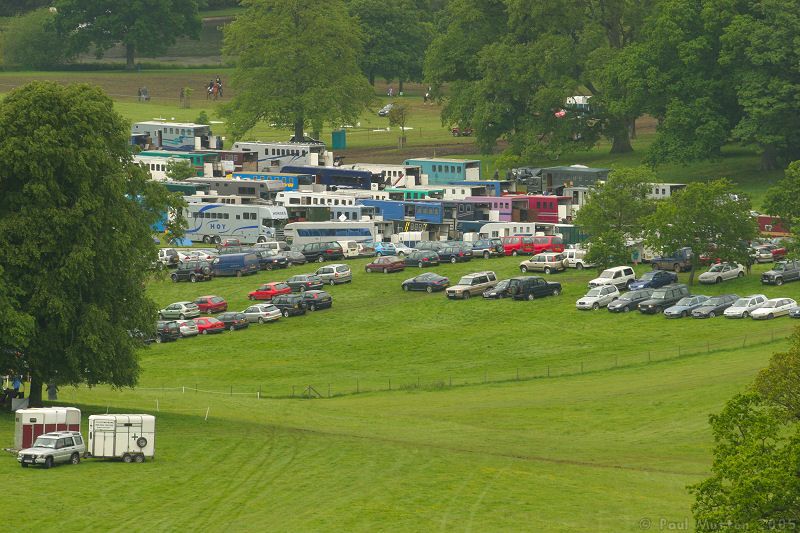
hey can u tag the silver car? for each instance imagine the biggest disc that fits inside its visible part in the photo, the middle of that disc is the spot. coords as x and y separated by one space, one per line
52 448
261 313
335 274
188 328
180 310
722 272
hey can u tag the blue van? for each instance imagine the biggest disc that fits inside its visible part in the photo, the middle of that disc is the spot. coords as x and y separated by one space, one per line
235 265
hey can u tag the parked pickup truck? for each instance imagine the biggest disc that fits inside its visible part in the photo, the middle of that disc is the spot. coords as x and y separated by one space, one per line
679 261
781 272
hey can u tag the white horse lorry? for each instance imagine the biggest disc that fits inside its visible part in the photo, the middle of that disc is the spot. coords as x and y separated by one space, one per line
212 223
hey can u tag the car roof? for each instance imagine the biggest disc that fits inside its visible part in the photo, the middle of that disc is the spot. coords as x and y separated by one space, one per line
60 434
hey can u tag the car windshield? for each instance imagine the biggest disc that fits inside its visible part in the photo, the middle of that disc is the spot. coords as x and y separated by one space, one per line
501 286
779 267
770 304
648 275
684 301
607 274
715 301
741 302
715 268
659 294
593 292
426 277
45 442
465 281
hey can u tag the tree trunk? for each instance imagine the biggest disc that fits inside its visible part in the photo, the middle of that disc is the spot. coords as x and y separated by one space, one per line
769 158
35 392
372 78
620 136
400 86
632 128
298 131
129 55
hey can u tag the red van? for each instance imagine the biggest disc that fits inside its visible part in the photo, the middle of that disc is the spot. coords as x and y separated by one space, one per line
519 244
548 243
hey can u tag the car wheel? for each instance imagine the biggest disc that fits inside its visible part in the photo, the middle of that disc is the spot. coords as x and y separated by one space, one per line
232 328
466 295
139 458
48 462
531 297
285 312
523 269
683 314
261 320
405 287
302 289
205 332
401 254
595 306
158 339
770 316
740 275
547 270
313 307
556 292
745 314
453 260
419 264
320 259
182 316
127 458
486 255
712 314
192 278
238 273
514 253
628 285
75 459
385 270
369 270
332 282
718 280
429 289
217 240
779 281
579 266
161 316
251 297
174 278
626 309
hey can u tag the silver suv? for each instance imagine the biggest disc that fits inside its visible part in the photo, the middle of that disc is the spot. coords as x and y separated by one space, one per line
52 448
472 285
336 273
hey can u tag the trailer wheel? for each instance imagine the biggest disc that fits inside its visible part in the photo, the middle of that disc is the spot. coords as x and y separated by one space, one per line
139 458
127 458
75 459
206 239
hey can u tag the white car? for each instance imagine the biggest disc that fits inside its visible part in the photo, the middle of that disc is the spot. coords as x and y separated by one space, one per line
722 272
576 258
598 297
260 313
188 328
620 277
52 448
403 250
742 307
774 307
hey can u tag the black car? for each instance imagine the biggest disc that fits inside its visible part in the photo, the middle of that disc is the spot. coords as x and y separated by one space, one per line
193 271
629 301
305 282
716 305
422 258
498 291
167 331
429 281
488 248
317 300
663 297
454 253
654 279
290 304
233 321
322 251
294 257
270 260
532 287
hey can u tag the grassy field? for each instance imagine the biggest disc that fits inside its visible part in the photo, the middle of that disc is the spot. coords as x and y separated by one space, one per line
593 451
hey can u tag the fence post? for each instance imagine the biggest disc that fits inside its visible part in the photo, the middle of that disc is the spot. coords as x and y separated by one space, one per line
708 347
195 388
517 373
231 390
292 391
358 388
581 367
259 392
616 361
744 341
390 383
418 382
679 350
648 356
773 335
451 381
548 371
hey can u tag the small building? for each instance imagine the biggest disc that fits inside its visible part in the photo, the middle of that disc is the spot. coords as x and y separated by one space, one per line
661 191
440 171
555 179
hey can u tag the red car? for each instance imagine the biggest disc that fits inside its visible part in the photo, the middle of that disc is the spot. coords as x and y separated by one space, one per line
268 290
209 324
386 264
518 244
211 304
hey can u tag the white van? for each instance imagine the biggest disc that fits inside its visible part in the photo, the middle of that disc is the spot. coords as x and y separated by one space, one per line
278 246
576 258
349 248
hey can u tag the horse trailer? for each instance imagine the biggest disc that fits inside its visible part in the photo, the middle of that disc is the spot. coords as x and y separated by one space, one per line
131 438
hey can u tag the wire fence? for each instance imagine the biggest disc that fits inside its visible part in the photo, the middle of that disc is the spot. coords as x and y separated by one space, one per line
319 389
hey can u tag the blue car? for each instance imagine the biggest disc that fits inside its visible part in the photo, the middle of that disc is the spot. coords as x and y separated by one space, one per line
385 248
654 280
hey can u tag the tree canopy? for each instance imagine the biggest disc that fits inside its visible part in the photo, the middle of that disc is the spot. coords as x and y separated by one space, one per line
614 213
297 65
76 242
396 35
145 27
512 66
708 217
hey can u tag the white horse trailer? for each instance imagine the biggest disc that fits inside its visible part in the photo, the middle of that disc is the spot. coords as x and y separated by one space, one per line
131 438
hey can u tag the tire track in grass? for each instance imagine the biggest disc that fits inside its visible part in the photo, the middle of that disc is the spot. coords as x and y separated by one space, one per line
452 500
477 503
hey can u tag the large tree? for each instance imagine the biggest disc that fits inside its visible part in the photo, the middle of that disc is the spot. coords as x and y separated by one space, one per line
76 243
783 200
722 70
711 218
297 66
396 35
613 215
512 65
144 27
